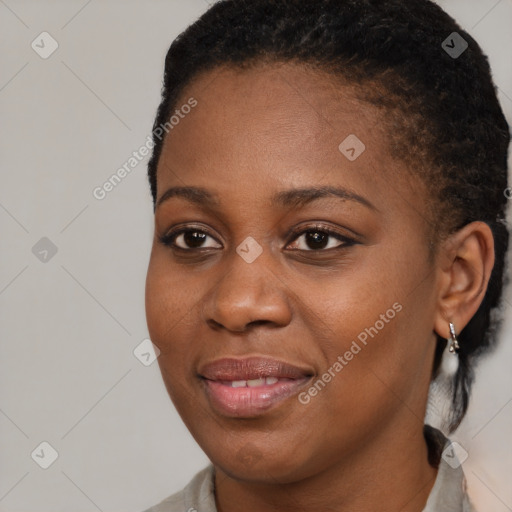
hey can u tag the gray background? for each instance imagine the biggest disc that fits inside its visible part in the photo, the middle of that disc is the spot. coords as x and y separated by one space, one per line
69 325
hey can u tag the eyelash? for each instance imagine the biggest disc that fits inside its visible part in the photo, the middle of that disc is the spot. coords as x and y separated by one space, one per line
169 239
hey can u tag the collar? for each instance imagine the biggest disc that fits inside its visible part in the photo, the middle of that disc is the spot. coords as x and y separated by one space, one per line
449 491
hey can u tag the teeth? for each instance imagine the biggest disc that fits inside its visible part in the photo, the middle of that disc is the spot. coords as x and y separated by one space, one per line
255 382
252 383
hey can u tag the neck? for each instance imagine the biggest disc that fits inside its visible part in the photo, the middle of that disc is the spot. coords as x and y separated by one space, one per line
392 473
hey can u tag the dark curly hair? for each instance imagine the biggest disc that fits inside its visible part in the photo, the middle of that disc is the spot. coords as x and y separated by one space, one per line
443 116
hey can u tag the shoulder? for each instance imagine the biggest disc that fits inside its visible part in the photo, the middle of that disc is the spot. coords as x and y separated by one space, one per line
197 495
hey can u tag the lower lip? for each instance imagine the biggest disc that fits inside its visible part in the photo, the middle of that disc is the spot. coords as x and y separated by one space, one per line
250 401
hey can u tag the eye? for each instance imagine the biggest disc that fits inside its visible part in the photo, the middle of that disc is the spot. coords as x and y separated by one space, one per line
318 238
314 238
188 239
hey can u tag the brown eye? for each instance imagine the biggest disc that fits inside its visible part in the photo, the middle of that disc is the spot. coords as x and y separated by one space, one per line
189 239
316 239
193 238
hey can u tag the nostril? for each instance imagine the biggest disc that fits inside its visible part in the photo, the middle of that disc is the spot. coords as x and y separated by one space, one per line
258 322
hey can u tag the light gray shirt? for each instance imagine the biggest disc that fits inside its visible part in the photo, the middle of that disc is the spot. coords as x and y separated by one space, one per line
448 493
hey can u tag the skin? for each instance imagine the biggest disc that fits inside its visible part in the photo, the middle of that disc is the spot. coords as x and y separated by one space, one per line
358 444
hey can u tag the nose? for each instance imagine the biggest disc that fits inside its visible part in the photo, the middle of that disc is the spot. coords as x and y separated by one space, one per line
248 294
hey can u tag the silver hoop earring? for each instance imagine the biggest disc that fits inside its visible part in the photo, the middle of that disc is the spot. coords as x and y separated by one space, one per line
454 342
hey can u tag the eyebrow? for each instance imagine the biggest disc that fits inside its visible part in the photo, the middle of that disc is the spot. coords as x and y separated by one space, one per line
197 195
302 196
296 197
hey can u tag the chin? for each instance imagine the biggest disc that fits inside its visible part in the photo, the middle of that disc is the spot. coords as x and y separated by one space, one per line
259 462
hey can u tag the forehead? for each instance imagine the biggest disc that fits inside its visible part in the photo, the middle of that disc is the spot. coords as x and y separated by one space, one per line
276 125
287 105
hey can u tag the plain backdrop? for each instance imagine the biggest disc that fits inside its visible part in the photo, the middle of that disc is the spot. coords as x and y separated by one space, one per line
70 321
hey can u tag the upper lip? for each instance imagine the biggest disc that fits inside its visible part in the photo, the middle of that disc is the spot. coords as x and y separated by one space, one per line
230 369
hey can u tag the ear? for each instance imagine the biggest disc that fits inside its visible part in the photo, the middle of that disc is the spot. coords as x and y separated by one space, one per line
465 262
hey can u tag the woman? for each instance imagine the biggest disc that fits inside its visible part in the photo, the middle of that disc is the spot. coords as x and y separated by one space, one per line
328 180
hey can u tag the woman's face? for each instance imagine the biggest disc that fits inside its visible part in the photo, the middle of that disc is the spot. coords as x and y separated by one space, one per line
295 315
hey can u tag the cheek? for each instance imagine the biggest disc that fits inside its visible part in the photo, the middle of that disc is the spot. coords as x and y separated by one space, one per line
167 311
386 365
380 330
171 303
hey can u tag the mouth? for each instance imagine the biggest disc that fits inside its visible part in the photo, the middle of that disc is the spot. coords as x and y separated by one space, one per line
249 387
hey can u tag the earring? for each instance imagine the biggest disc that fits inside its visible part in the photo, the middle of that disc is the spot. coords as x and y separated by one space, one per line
450 364
454 343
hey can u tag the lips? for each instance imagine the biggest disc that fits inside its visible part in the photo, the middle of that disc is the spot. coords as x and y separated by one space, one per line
249 387
251 368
